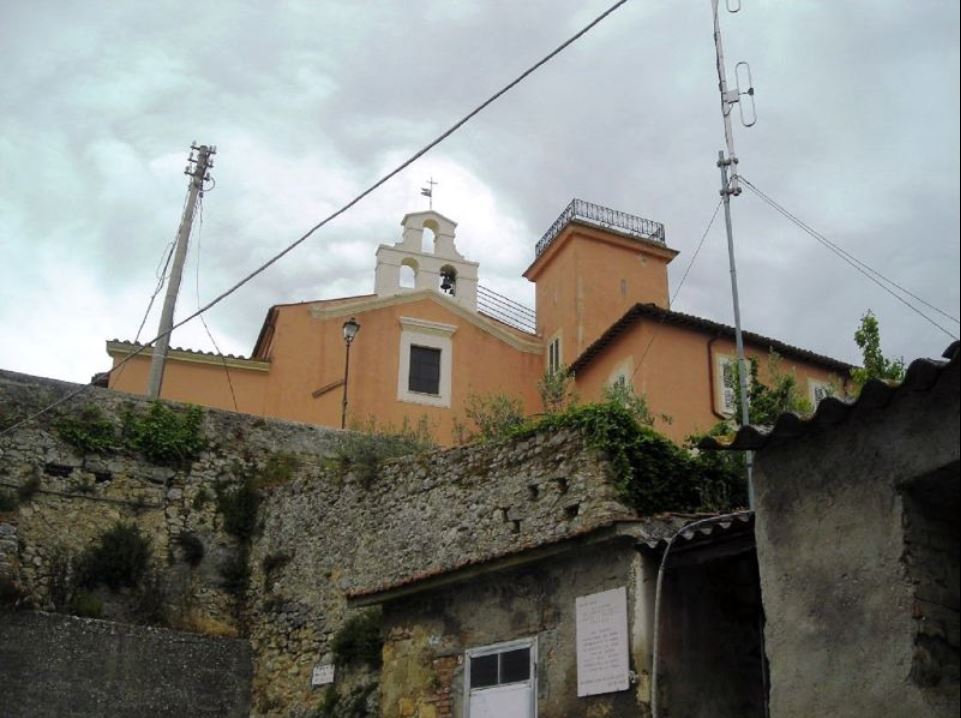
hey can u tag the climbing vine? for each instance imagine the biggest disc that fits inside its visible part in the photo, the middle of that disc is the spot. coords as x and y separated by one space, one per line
652 473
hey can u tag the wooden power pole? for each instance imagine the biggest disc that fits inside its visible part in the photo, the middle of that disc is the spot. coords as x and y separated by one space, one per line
197 176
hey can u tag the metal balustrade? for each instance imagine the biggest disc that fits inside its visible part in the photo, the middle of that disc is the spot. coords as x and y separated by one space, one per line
605 218
499 307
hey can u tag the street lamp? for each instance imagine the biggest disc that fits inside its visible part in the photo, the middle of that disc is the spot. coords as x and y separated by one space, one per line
351 327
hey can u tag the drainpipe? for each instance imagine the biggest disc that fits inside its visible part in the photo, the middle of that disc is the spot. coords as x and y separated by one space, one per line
657 596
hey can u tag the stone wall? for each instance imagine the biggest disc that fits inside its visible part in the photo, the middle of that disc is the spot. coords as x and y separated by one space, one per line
54 665
69 498
423 515
321 532
833 554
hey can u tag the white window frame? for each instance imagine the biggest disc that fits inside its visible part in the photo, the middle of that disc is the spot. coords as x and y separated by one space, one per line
623 371
814 385
555 358
725 402
502 648
433 335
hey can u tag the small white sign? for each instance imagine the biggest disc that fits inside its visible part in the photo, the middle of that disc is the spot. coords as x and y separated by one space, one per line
602 661
323 675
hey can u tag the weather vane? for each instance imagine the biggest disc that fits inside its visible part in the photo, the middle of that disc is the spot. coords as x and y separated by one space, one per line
428 192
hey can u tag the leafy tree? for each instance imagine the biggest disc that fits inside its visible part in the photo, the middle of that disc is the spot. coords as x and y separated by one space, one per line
494 415
876 365
768 401
622 394
556 389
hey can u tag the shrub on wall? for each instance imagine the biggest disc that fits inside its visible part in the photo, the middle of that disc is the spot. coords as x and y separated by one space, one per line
358 641
164 435
239 506
191 546
366 447
88 431
120 558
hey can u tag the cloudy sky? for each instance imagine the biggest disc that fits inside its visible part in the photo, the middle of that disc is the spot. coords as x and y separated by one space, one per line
309 102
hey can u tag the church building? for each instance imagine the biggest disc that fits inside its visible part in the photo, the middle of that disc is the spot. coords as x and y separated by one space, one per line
429 336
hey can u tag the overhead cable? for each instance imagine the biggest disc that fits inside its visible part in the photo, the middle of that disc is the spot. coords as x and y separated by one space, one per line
680 284
210 334
868 271
300 240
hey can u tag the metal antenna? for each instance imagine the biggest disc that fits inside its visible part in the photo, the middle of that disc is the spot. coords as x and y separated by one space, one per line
198 175
730 186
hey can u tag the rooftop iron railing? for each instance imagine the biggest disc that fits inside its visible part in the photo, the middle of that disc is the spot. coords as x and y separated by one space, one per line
605 218
499 307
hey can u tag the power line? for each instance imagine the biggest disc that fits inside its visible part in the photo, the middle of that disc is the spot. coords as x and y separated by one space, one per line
868 271
300 240
680 284
223 359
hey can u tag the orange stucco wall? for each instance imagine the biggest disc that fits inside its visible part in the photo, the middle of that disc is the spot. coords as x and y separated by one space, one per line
588 278
307 353
678 375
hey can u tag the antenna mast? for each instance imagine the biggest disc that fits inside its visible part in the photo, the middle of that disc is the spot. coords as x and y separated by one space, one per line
730 186
197 174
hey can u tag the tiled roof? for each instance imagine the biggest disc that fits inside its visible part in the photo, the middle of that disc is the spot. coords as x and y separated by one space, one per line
650 531
922 375
137 345
639 311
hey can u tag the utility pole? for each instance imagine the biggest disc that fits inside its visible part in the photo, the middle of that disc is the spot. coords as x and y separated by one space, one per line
731 187
197 176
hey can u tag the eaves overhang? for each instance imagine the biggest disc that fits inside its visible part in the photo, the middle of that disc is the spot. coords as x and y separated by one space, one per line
120 348
708 326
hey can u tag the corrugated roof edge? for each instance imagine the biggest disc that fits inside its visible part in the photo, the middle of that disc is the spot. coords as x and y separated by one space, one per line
679 318
921 375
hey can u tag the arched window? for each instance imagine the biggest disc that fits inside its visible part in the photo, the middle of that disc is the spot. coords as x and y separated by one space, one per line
448 280
408 274
428 236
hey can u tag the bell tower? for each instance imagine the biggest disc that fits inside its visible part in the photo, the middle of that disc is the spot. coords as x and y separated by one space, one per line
426 258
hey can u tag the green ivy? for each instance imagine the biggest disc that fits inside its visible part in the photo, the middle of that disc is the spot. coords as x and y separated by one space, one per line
88 431
164 435
652 473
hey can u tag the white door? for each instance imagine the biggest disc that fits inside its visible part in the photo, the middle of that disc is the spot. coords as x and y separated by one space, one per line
501 680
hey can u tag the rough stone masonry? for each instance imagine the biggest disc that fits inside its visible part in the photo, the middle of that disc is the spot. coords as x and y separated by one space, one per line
320 532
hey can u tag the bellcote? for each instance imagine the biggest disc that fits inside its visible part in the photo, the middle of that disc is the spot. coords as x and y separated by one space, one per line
426 257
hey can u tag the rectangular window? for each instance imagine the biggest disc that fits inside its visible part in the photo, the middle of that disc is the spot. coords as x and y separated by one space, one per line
500 669
424 376
820 390
554 355
500 680
726 385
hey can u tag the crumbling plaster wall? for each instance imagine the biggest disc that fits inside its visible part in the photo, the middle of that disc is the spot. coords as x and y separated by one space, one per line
428 634
839 601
